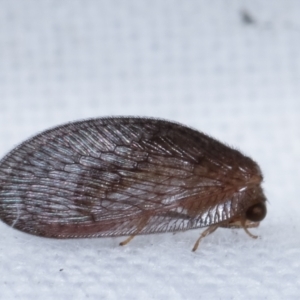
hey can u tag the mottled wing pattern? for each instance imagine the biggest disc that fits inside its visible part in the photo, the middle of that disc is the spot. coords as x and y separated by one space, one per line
117 176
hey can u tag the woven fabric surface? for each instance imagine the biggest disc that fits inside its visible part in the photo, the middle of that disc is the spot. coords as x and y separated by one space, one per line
228 68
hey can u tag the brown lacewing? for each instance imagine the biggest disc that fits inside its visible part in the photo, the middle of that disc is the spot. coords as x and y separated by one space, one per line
127 176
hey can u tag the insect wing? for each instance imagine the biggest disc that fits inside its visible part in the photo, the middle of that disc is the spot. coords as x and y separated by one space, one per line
108 177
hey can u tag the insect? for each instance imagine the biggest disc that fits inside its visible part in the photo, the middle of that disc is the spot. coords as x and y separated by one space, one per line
126 176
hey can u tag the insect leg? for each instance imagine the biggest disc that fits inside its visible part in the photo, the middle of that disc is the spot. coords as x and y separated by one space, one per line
205 233
247 231
139 227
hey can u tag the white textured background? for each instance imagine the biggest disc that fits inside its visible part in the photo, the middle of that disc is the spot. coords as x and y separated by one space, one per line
196 62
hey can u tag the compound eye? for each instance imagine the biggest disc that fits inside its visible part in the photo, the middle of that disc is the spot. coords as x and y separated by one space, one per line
256 212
